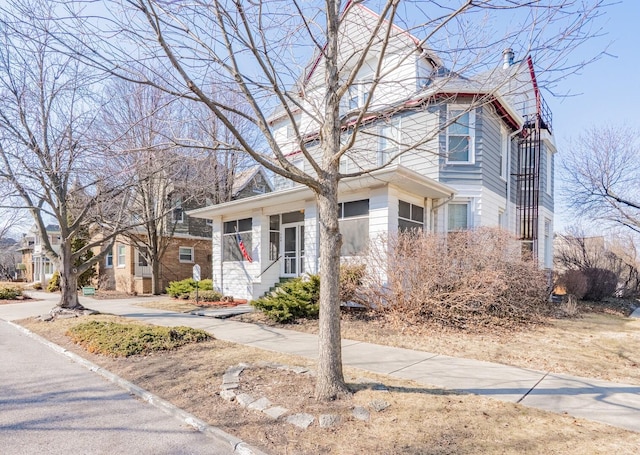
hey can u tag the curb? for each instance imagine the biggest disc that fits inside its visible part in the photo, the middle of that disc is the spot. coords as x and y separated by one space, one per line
237 445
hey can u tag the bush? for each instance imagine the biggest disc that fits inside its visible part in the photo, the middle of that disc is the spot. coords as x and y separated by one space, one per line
54 282
206 296
465 280
294 299
37 286
574 282
9 292
351 276
124 340
602 283
182 289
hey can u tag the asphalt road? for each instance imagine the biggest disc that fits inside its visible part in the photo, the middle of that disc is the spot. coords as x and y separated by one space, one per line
51 405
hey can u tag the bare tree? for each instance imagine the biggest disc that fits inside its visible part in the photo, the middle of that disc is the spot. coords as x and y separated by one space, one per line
175 159
602 173
260 51
47 109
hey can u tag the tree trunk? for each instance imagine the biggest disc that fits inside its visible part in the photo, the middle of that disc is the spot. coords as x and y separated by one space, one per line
155 277
330 382
68 279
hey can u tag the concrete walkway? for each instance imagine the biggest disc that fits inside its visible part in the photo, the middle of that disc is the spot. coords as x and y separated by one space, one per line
607 402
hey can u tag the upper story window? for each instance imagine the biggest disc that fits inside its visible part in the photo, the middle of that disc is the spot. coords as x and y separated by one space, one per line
461 136
178 212
388 141
410 217
504 152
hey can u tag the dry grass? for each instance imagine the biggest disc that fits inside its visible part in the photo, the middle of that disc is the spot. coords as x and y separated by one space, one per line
179 306
420 420
600 344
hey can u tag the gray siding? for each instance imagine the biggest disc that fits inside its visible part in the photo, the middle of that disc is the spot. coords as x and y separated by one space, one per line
489 142
546 200
461 174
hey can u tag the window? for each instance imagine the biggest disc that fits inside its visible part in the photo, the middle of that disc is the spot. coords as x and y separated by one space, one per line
354 226
460 136
388 140
504 148
501 218
458 216
178 212
108 259
410 217
549 180
358 94
122 257
274 237
231 231
142 259
185 254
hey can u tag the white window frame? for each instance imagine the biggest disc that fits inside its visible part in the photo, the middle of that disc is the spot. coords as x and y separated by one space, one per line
469 220
549 179
191 254
454 110
504 152
108 260
121 258
389 134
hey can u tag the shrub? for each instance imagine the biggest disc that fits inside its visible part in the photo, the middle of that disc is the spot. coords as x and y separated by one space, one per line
602 283
54 282
351 276
124 340
294 299
574 282
206 296
9 292
182 289
37 286
464 280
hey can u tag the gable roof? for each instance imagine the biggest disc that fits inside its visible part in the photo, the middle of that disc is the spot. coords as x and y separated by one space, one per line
243 178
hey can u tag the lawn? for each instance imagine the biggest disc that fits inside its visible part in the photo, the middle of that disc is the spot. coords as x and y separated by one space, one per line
419 420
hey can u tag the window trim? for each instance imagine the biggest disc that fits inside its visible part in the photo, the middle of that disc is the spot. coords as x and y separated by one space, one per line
466 203
411 218
108 260
504 152
464 109
232 235
193 255
394 125
121 264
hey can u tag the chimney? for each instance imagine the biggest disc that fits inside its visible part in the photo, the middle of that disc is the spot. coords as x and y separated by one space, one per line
507 58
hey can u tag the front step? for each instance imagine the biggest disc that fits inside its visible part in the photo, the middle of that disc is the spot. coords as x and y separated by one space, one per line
282 280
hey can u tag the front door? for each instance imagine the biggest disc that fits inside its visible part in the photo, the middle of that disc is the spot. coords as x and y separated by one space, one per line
293 248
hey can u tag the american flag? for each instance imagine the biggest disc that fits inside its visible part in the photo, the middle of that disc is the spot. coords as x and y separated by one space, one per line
243 250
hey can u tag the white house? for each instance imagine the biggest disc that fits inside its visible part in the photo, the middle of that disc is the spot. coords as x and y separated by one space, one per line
444 153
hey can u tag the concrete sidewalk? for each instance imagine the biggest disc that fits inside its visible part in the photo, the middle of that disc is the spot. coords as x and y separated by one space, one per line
607 402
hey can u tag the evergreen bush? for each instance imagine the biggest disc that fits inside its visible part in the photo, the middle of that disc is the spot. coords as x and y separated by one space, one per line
292 300
54 282
206 295
182 289
9 292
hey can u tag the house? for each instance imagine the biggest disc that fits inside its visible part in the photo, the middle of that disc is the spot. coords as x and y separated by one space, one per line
127 269
37 266
490 164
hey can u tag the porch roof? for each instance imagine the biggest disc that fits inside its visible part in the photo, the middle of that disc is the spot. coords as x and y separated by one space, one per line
397 175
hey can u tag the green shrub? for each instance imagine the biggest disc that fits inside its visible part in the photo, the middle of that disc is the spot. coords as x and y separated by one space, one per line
206 296
37 286
54 282
295 299
124 340
9 292
182 289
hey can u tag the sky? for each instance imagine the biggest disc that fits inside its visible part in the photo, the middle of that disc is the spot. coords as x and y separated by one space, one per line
606 92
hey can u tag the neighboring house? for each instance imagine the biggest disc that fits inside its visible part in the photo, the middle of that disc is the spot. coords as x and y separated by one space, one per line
37 266
492 165
126 269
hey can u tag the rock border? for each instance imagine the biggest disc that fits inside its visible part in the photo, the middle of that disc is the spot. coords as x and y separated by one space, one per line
231 382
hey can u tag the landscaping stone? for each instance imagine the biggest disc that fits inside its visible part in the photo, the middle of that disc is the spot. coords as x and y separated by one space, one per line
275 412
260 404
301 420
328 420
299 370
361 413
231 385
244 399
46 317
379 405
227 395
